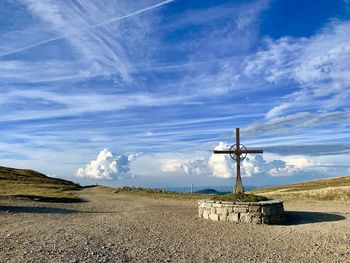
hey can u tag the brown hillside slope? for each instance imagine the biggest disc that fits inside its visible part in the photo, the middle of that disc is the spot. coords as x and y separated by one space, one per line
22 183
337 188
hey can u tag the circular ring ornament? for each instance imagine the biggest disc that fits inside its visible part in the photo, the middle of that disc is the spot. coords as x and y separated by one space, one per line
234 149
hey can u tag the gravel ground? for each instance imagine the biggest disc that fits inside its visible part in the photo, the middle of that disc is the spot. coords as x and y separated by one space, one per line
122 228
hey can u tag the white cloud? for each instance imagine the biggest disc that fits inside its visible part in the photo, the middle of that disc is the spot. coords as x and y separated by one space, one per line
276 111
218 47
195 167
257 165
93 29
74 104
108 166
276 61
253 166
318 66
182 166
134 156
171 166
221 164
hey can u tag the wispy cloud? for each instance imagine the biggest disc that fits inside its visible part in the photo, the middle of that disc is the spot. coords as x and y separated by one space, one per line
104 45
64 105
310 149
317 66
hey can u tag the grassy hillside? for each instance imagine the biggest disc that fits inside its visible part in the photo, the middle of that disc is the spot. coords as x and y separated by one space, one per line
33 185
337 188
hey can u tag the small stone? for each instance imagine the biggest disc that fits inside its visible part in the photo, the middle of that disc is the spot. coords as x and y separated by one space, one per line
254 208
256 220
200 212
221 211
233 217
214 217
240 209
205 214
245 218
223 217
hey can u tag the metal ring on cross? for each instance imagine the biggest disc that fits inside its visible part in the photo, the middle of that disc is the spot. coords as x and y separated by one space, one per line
233 150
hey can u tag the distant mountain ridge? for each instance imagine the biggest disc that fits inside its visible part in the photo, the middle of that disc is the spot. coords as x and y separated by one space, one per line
219 189
207 191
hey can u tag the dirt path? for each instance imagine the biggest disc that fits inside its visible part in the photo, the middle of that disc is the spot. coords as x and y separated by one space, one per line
118 228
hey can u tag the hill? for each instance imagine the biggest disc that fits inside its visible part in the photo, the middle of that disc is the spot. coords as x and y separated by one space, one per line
337 188
207 191
22 183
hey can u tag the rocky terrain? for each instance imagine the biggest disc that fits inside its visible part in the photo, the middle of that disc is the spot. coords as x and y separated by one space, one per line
116 227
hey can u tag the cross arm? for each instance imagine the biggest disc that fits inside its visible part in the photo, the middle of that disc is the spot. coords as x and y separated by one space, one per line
241 151
252 151
223 151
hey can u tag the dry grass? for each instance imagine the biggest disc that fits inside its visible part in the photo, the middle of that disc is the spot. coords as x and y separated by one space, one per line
240 197
157 193
333 189
20 183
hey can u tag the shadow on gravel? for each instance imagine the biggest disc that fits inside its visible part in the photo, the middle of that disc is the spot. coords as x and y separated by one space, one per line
299 218
36 210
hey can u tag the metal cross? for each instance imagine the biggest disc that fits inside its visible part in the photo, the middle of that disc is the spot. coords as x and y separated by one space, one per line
238 152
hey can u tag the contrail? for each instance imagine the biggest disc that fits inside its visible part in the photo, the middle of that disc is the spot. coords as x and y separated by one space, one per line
87 28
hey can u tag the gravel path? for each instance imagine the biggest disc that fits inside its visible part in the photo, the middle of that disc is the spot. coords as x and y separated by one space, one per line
121 228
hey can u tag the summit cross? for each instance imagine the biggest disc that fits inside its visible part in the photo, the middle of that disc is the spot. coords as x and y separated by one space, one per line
238 152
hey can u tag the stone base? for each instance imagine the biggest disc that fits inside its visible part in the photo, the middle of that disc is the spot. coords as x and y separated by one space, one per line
265 212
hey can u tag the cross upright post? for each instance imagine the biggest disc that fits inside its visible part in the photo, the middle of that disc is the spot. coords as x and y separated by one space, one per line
238 187
238 152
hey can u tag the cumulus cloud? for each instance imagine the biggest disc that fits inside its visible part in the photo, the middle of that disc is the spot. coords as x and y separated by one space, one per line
170 166
197 167
220 164
258 165
189 167
223 166
108 166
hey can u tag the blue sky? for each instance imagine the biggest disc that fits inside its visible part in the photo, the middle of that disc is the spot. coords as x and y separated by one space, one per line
140 92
